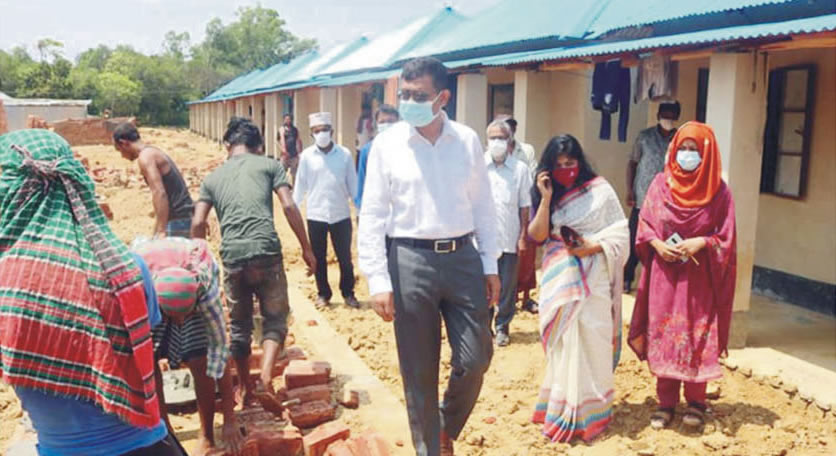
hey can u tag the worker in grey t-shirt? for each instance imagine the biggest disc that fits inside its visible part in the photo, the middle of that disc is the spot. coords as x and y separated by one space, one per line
646 161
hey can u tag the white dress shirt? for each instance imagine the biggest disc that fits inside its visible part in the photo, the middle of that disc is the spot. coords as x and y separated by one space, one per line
525 153
419 190
326 182
511 189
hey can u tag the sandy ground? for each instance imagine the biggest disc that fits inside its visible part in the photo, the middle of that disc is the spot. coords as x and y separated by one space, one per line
749 418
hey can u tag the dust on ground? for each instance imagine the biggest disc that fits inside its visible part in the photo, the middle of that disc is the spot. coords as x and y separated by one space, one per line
749 418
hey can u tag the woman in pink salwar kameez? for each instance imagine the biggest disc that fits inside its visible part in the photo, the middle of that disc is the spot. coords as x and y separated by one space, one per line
686 242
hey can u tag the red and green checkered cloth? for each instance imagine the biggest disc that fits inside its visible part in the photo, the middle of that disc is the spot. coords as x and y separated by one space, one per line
73 317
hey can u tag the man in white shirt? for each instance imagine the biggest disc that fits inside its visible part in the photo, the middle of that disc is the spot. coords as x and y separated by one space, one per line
511 189
326 180
427 196
527 270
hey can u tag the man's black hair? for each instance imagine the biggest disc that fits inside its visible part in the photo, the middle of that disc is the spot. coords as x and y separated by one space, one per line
126 131
387 109
672 107
241 130
512 122
423 66
288 115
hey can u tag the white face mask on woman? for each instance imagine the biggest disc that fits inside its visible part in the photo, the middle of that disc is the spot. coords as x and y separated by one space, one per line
688 160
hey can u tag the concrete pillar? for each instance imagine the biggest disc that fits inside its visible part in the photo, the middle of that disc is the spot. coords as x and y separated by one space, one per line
216 119
240 107
532 107
220 125
257 103
736 109
349 105
328 103
472 102
307 102
272 120
390 90
204 119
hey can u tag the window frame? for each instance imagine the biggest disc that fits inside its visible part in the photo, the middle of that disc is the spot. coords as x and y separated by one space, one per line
773 128
492 95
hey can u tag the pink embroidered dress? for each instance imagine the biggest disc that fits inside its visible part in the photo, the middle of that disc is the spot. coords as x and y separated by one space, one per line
680 324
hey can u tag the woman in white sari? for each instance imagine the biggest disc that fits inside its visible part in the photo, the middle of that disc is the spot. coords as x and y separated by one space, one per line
580 291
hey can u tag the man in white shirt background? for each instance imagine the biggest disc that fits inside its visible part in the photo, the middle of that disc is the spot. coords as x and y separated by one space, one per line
326 181
527 270
427 196
511 188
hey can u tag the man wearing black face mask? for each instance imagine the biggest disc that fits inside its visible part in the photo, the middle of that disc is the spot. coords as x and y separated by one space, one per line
646 161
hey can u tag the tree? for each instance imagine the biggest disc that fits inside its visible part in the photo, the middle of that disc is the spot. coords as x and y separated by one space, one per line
176 44
257 39
94 58
49 48
118 93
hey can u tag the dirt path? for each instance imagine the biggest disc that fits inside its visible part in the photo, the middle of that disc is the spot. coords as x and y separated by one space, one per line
747 419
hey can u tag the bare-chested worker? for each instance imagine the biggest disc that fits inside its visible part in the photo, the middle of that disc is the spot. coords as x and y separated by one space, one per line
173 206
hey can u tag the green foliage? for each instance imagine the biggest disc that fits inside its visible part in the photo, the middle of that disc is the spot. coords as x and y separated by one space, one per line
118 93
155 88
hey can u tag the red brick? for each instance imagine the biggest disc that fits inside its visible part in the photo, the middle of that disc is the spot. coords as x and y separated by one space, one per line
250 448
310 393
106 209
350 399
312 413
306 373
285 442
316 443
4 125
339 448
255 417
376 445
90 131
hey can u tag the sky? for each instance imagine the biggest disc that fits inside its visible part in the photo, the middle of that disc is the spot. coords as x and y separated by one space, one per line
82 24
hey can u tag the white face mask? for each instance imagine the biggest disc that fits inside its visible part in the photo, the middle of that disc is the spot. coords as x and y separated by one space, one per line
322 139
418 114
688 160
667 124
383 126
498 149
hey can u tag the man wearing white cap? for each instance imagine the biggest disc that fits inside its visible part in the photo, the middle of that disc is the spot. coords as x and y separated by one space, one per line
326 181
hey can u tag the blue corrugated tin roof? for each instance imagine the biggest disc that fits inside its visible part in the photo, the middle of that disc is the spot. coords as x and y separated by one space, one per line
512 21
358 78
632 13
799 26
389 47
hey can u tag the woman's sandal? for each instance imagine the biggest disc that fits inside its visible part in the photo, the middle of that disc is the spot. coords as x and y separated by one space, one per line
661 418
694 416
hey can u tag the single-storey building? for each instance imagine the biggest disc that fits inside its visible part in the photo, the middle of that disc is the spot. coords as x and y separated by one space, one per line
762 73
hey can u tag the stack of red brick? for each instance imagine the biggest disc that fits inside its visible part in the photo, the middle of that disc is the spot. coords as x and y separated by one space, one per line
90 131
33 121
308 394
4 124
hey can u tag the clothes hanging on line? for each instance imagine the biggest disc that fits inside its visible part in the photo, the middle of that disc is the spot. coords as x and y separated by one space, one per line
656 79
611 94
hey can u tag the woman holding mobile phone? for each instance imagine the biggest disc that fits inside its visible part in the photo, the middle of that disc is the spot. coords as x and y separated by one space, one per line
680 323
580 292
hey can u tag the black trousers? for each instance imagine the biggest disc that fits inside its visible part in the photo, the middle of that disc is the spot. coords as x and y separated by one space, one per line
633 261
341 241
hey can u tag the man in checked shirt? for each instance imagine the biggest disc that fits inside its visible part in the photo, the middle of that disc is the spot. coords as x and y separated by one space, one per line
186 280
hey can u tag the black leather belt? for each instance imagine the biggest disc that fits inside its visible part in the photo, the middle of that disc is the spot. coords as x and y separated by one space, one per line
436 245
